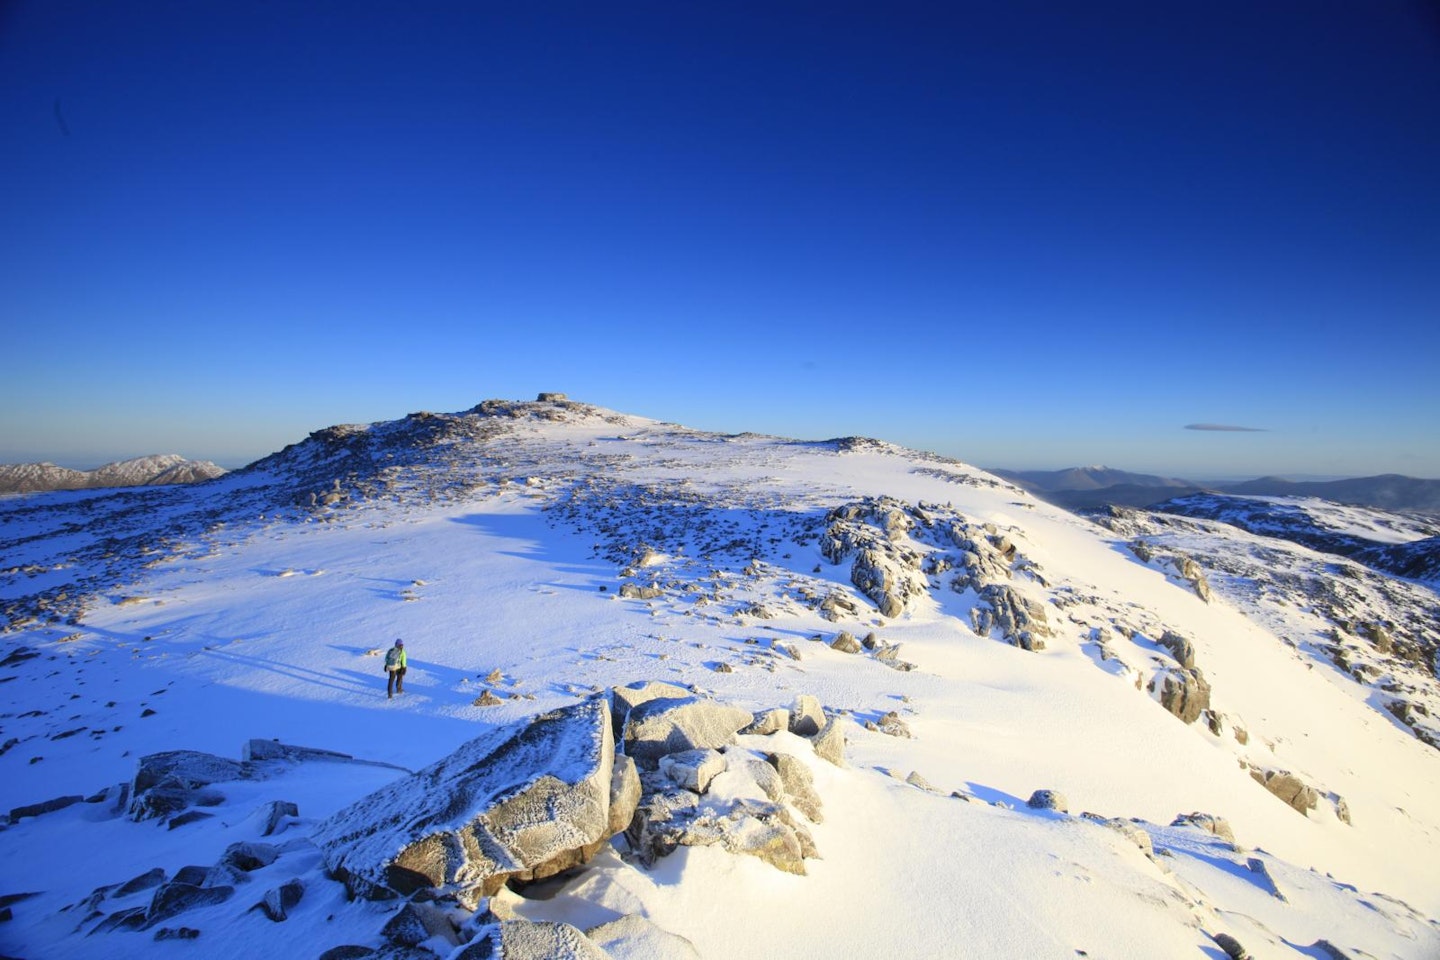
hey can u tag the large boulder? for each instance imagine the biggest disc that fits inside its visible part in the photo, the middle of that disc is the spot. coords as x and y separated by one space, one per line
524 801
670 725
626 698
1180 648
167 783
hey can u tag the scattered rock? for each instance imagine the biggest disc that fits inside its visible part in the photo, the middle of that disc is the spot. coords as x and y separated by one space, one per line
891 725
1288 787
177 933
273 815
807 716
1264 878
1180 648
1048 800
845 643
624 699
279 901
486 699
1219 826
916 780
247 856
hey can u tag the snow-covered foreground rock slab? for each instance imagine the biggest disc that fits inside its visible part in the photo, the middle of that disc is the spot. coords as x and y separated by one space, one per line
523 802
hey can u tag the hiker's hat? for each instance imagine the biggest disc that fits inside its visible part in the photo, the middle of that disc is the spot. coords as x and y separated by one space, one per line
399 643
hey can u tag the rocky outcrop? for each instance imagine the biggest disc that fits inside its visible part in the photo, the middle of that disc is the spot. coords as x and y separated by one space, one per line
524 801
1020 620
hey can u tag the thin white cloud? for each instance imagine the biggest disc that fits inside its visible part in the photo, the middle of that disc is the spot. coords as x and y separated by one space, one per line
1224 428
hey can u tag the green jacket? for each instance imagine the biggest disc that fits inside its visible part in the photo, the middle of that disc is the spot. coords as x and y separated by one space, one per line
395 658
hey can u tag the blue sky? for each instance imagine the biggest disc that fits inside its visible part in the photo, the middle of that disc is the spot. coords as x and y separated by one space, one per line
1025 234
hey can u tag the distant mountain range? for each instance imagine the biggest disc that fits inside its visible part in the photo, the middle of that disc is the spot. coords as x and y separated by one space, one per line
1084 487
154 470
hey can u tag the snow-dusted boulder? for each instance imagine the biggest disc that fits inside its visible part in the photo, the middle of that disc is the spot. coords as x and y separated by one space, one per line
769 721
693 769
1210 823
807 716
670 725
798 783
625 789
829 743
524 940
526 801
626 698
166 783
1048 800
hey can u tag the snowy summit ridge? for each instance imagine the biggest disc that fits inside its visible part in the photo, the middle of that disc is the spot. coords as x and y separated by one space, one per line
796 670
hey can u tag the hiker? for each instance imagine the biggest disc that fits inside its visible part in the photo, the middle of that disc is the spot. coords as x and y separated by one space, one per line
395 669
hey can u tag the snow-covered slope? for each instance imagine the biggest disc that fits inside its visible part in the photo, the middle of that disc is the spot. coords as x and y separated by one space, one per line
544 552
141 471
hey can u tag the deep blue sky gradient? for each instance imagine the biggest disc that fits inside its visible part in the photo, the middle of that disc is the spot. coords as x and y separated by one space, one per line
1023 234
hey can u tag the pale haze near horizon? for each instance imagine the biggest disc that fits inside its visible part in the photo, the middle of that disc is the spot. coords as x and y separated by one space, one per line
1033 237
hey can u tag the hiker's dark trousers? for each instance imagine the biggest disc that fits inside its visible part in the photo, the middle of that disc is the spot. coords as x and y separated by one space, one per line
395 683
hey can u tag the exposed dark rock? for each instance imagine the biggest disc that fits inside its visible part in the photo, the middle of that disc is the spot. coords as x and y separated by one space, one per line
279 901
891 725
348 951
1180 648
1185 693
257 750
45 806
177 933
274 813
247 855
1288 787
172 899
1231 946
